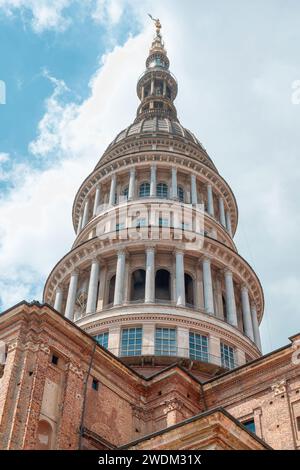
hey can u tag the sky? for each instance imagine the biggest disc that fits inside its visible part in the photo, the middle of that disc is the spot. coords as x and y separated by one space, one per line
70 69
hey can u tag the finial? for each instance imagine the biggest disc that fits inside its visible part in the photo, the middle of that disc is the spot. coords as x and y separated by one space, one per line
157 24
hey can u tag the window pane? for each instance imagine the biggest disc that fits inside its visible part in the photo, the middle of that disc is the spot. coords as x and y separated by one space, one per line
144 190
198 347
165 342
102 339
250 425
227 356
162 190
131 342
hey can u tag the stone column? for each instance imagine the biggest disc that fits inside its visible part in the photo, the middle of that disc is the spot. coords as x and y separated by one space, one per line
174 183
207 286
79 224
93 287
228 223
153 181
58 299
194 197
96 200
148 339
112 192
183 342
152 87
230 299
150 275
71 299
131 187
222 212
210 201
247 320
120 277
85 217
180 288
256 333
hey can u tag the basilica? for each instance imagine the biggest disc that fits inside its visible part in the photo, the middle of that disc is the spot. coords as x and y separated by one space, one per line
148 334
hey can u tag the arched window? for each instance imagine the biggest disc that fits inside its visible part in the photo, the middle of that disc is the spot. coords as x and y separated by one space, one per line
44 435
138 278
162 190
180 194
144 190
163 285
111 289
189 289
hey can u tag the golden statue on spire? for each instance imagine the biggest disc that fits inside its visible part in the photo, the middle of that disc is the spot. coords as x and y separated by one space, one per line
157 24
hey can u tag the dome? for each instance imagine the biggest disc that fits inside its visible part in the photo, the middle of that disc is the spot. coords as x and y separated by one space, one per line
156 125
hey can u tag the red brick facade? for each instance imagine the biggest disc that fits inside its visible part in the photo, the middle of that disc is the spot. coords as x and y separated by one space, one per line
46 403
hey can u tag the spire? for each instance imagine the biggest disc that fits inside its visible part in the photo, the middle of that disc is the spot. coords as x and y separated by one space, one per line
157 87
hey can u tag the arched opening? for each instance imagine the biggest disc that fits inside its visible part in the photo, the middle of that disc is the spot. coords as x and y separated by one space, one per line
138 278
44 435
111 289
162 190
162 285
189 289
144 190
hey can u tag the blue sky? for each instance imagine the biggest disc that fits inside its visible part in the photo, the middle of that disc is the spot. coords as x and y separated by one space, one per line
70 69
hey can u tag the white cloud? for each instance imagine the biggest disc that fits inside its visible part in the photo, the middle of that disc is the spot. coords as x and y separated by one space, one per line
54 15
44 14
37 212
4 157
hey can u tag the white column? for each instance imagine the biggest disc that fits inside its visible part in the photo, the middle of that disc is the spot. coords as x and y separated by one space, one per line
96 200
153 181
207 286
230 299
174 183
255 327
79 224
93 287
152 87
85 217
71 299
222 212
180 290
131 184
150 275
194 198
247 320
210 201
112 191
228 223
120 277
58 299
